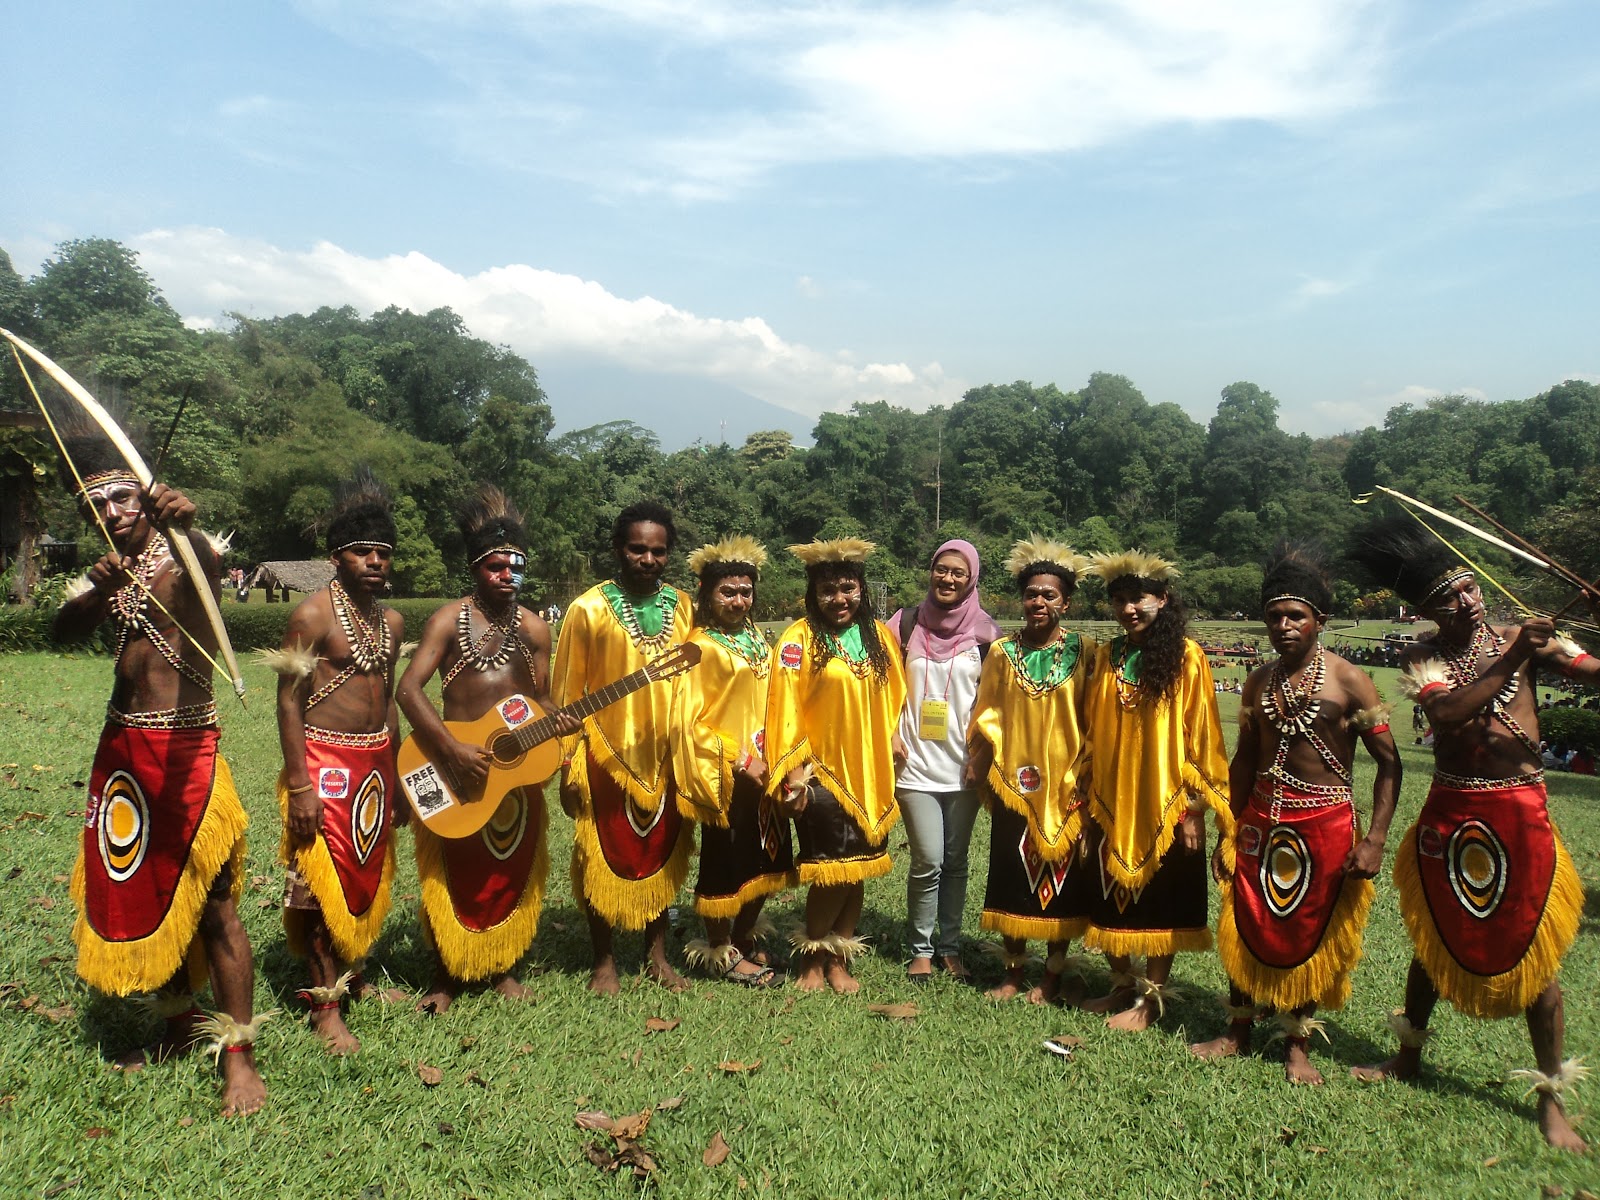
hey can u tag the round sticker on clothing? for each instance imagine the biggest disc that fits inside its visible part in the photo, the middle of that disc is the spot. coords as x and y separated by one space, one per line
791 655
1028 779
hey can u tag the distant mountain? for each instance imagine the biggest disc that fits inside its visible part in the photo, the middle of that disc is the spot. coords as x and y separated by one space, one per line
680 409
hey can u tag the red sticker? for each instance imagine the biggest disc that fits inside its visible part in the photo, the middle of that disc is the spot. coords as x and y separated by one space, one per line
1028 779
515 711
791 655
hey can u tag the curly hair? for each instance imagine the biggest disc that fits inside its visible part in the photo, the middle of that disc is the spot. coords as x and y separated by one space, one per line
822 633
1161 653
639 512
712 574
1067 576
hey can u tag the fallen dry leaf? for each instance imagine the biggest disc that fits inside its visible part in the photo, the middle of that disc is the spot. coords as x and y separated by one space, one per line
186 1121
27 1002
633 1155
45 902
594 1120
661 1024
62 878
902 1011
734 1066
670 1103
1490 1161
467 1043
1552 1190
638 1056
631 1128
430 1076
1319 1149
446 1128
66 1185
64 1013
1286 1135
96 1131
474 1077
600 1156
717 1152
14 873
525 1048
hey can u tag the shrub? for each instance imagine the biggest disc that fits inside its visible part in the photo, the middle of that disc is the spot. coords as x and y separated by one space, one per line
1575 728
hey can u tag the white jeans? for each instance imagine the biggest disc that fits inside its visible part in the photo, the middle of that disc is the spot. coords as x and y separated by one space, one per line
939 828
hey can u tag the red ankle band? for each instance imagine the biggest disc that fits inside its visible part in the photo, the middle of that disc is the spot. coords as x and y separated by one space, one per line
242 1048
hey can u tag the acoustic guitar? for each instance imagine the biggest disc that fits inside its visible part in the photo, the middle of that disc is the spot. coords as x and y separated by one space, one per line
524 750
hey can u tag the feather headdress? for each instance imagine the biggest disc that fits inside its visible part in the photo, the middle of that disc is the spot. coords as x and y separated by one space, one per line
1035 549
491 524
361 513
849 549
1134 563
1398 553
738 548
1297 573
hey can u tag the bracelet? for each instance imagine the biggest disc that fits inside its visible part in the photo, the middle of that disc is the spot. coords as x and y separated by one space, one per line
1430 687
302 790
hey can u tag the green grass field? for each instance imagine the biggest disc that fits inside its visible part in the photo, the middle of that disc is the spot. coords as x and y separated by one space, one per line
959 1100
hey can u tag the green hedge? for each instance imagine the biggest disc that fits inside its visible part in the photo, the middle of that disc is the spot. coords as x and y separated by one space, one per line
250 626
1575 728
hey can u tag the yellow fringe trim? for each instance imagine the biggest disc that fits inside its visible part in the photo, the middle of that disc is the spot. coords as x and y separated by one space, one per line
1124 943
1193 786
1513 991
1324 978
145 965
1043 929
832 873
471 954
1066 840
352 936
608 761
728 907
626 903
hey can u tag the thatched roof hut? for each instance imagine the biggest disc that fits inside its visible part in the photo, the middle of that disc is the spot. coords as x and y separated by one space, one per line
304 575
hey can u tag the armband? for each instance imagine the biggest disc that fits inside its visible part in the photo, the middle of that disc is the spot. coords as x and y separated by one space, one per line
1384 728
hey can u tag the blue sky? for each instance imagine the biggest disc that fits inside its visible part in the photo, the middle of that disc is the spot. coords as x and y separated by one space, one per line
695 211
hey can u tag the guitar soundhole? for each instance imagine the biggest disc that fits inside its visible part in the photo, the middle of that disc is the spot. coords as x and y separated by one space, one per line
505 750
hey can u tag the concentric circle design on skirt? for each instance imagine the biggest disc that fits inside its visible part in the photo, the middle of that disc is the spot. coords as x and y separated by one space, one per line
505 830
124 826
367 816
1285 870
1477 864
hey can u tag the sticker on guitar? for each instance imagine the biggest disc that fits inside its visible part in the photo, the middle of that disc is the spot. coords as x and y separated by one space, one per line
428 790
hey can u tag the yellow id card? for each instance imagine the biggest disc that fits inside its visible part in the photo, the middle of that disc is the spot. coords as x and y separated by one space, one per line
933 720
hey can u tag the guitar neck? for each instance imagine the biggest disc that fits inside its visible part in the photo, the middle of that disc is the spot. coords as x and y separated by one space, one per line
545 727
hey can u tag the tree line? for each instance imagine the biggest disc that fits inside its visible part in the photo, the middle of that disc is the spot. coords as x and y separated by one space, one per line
276 411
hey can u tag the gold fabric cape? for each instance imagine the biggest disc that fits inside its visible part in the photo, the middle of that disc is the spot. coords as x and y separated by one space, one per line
1039 729
1149 761
839 722
717 714
629 738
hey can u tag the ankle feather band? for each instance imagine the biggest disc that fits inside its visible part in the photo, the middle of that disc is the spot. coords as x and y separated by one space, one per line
719 959
847 948
1568 1075
1242 1013
169 1006
1298 1029
763 929
221 1032
324 998
1410 1036
808 945
1061 963
1159 993
1015 961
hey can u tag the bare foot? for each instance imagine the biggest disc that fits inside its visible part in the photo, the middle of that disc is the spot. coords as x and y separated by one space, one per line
603 979
1407 1064
811 977
509 986
1136 1018
1553 1124
1225 1046
661 971
839 977
1048 991
242 1089
1114 1001
1297 1067
175 1041
439 996
1008 988
335 1034
371 991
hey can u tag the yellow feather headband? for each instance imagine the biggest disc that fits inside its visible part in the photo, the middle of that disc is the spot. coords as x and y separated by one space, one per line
1034 548
837 550
1111 567
739 548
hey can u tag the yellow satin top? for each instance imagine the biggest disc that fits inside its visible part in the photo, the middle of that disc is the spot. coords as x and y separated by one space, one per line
629 739
841 722
1039 740
717 716
1149 760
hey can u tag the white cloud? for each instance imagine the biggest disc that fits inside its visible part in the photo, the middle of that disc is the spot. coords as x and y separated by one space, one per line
822 82
1357 412
205 272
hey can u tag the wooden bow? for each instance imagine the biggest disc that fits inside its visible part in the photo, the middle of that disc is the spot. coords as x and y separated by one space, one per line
136 464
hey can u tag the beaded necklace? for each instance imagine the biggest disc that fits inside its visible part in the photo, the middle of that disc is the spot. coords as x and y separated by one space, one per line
1292 709
1461 665
1125 672
834 646
472 654
747 643
622 608
1064 651
369 640
130 611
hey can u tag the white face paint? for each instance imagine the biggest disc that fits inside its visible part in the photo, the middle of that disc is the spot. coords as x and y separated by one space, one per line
518 564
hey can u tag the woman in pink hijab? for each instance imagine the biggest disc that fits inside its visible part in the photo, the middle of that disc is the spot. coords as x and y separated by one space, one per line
944 639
